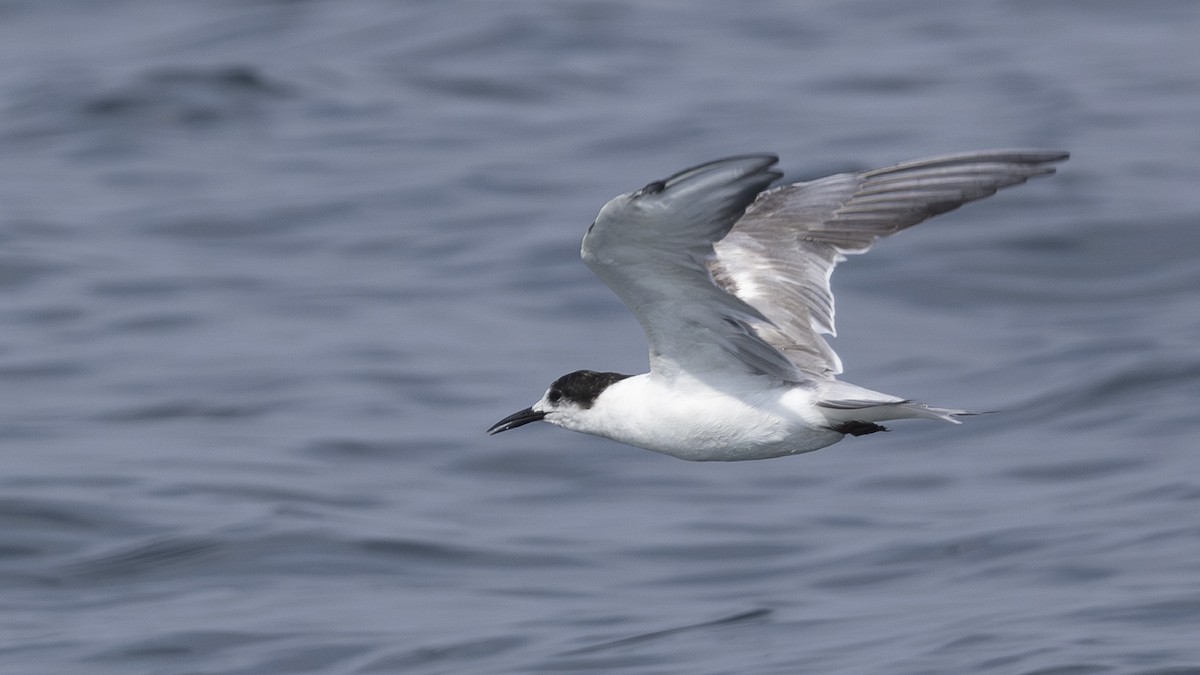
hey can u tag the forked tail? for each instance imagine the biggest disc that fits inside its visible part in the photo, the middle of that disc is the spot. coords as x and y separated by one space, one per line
875 407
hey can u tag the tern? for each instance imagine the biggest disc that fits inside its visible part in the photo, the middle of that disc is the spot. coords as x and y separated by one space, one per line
730 282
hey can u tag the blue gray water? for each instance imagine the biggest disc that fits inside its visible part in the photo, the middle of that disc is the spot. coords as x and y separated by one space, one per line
269 269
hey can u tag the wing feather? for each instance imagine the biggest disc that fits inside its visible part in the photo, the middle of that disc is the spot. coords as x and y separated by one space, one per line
652 248
779 256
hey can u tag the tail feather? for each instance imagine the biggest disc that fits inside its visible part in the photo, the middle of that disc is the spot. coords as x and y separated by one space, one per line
863 410
842 402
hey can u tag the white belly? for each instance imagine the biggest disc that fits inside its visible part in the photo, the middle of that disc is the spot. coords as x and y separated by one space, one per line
708 425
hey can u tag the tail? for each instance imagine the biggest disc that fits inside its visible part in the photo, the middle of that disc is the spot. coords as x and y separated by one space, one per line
845 404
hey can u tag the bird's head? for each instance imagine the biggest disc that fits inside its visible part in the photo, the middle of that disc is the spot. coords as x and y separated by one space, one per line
567 403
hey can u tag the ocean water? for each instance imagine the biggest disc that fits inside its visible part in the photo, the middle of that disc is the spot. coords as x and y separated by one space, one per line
269 269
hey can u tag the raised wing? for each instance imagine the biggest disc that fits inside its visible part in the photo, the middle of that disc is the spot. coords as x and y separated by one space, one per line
779 256
652 248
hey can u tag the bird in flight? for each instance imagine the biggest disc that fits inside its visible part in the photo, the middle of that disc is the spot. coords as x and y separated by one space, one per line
729 279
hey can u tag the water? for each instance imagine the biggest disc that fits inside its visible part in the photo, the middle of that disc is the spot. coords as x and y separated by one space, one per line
269 269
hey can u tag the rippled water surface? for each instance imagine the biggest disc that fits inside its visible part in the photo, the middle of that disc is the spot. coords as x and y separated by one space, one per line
269 269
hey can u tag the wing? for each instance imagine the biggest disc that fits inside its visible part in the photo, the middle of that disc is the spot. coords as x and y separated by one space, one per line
779 256
652 247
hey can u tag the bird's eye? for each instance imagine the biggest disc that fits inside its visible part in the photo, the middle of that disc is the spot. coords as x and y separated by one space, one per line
554 396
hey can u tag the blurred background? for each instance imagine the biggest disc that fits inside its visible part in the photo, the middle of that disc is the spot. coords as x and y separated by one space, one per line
269 269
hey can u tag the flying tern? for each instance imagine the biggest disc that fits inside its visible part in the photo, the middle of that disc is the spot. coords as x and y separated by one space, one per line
730 282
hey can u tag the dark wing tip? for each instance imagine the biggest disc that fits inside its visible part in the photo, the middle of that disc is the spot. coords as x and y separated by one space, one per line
753 163
1019 157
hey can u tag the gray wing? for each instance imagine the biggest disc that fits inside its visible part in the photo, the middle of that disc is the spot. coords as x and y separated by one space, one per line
652 247
779 256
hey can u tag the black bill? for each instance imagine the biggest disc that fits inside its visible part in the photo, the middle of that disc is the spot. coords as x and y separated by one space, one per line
517 419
